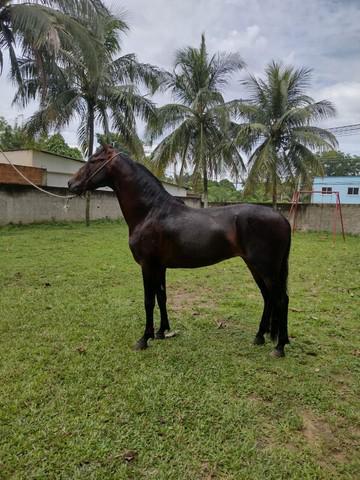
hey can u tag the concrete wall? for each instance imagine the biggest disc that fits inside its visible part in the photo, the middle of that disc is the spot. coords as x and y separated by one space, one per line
318 217
24 204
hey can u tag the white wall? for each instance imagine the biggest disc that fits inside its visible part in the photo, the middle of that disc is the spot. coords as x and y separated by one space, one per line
59 169
174 190
19 157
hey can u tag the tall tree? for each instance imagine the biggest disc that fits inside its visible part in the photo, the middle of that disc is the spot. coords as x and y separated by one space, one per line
43 26
198 126
99 88
341 164
279 133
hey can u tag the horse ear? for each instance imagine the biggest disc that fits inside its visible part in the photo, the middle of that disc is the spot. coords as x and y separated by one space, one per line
107 147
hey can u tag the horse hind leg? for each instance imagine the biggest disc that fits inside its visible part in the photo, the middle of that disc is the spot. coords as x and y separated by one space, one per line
279 326
281 314
264 326
274 319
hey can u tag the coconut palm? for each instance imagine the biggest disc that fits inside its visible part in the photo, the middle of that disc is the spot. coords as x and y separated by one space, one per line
279 133
42 24
96 89
197 127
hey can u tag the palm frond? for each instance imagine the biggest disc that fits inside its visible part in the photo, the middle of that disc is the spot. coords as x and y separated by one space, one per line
314 137
262 162
166 118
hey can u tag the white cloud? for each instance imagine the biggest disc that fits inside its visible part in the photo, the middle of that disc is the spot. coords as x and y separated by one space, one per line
346 98
239 41
319 34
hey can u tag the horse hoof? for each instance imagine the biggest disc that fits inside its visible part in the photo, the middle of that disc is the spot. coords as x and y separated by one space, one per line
160 336
277 353
141 345
259 340
172 334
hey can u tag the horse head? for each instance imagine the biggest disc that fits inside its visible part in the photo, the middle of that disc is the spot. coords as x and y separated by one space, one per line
95 173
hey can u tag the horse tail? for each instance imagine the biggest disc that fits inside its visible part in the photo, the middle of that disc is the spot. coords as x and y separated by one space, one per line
281 292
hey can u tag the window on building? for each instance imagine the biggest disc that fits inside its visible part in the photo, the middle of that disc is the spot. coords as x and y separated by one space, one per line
353 190
326 190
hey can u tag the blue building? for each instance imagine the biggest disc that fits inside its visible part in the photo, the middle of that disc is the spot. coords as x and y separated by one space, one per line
348 187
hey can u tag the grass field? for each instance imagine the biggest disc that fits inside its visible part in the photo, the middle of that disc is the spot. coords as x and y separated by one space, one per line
77 403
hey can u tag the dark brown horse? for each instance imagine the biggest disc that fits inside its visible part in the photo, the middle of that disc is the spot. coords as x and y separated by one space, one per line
165 233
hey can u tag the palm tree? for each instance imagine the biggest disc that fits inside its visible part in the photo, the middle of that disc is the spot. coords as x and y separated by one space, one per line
198 125
42 24
279 133
98 88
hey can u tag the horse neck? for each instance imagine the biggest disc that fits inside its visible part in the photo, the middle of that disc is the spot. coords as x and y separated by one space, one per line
134 205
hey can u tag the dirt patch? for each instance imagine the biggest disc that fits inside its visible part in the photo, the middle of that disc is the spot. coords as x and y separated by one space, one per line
182 298
331 444
344 382
316 431
208 472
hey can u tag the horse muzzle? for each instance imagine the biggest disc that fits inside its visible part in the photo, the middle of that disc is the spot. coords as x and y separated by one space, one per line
75 187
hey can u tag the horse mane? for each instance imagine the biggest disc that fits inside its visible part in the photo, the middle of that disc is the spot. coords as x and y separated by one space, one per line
152 190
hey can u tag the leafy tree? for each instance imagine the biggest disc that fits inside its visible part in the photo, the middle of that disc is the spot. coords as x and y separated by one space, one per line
98 89
198 126
42 27
279 133
223 191
121 143
340 164
14 138
17 137
56 144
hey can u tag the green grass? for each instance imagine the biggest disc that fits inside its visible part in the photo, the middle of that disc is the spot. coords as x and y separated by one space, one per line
207 404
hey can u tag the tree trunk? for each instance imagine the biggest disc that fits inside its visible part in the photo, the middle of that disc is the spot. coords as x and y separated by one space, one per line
91 124
203 163
205 180
274 192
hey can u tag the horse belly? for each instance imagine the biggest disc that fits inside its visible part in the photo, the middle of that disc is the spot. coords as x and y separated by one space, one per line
192 250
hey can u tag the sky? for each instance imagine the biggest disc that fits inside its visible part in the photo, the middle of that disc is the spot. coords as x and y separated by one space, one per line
319 34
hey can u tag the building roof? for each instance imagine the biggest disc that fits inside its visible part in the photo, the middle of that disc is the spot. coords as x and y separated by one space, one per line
337 181
174 184
344 178
47 152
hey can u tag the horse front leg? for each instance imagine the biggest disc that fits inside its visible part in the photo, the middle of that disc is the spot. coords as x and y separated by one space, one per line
161 299
150 277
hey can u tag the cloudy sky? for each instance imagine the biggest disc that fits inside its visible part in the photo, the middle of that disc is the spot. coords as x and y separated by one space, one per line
320 34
